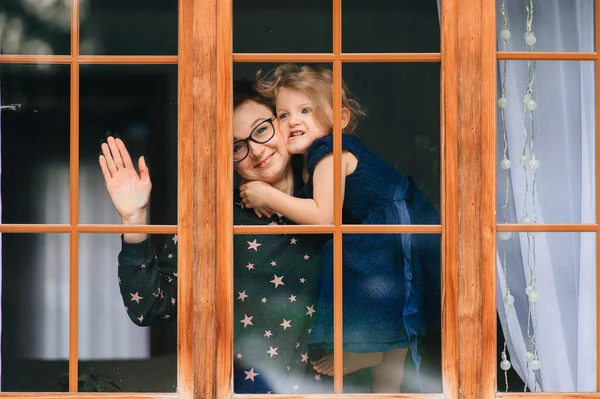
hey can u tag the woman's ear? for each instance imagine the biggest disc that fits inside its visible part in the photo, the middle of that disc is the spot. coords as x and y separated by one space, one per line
345 117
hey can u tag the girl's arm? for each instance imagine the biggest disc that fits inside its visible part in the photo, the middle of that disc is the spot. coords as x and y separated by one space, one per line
318 210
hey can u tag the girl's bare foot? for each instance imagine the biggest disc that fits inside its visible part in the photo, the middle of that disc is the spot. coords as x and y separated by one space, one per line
353 361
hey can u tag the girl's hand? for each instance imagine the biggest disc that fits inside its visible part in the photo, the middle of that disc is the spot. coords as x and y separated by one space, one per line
255 194
260 212
128 191
266 212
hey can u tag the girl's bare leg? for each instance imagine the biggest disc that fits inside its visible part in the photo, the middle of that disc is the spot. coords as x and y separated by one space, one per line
388 375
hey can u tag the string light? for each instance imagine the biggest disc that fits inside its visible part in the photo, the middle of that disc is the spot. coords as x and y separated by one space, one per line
527 160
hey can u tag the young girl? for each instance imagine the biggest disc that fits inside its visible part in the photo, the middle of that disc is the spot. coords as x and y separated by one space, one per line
383 307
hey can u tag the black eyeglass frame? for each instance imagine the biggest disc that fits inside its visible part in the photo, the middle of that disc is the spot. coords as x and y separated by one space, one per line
250 138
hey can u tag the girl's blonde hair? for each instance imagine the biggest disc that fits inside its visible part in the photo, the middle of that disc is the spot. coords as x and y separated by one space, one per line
317 83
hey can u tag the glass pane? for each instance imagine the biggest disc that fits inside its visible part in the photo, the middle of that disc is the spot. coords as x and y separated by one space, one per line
127 313
409 143
546 285
390 26
35 27
129 28
35 312
546 146
286 163
34 129
265 26
262 147
546 25
384 332
139 105
402 130
276 278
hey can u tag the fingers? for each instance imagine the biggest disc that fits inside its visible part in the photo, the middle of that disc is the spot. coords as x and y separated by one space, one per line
260 212
266 212
104 167
144 172
108 159
124 153
115 157
112 144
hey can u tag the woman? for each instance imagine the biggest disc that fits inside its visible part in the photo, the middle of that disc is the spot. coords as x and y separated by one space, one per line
275 275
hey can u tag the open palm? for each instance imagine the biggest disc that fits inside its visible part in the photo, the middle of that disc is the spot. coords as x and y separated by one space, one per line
129 191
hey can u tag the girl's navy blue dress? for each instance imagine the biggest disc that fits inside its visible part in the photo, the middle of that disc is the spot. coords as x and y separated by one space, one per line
391 282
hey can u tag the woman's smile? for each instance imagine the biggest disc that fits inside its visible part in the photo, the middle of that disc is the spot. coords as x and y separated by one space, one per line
265 161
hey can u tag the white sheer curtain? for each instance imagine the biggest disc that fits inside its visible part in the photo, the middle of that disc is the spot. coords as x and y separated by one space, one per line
105 331
564 193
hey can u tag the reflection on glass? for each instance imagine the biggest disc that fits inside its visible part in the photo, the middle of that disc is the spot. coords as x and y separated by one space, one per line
545 26
267 26
547 306
35 312
129 28
546 142
139 105
391 309
116 300
390 27
34 127
35 27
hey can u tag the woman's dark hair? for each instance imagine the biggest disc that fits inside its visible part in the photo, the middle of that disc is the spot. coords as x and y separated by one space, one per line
244 90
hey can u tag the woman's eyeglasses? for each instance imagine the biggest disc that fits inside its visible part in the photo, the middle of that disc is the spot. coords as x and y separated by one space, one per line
261 134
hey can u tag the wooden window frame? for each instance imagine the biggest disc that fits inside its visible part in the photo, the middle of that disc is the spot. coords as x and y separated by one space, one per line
205 223
74 229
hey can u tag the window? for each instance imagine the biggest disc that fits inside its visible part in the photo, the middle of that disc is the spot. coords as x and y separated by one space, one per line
73 75
401 93
68 77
